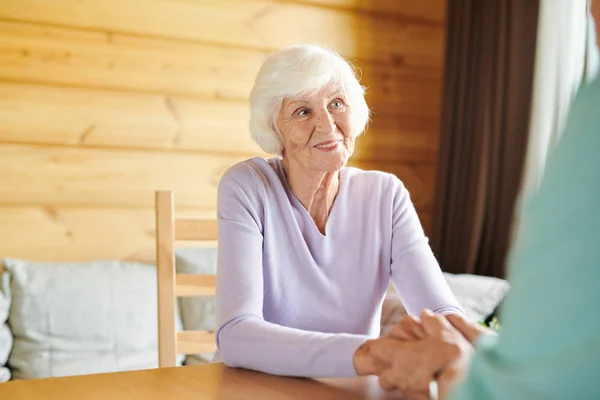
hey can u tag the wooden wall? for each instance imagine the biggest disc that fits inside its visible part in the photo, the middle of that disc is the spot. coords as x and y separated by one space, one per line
102 102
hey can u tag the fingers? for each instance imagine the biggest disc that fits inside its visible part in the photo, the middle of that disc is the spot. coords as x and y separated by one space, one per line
410 387
470 331
409 328
433 324
387 380
385 349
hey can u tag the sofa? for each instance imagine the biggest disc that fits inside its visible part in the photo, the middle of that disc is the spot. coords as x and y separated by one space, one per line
61 319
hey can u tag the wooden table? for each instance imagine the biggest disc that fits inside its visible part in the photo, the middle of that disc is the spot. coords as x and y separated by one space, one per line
199 382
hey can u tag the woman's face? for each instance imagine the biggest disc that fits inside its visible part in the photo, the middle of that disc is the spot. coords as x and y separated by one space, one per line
316 130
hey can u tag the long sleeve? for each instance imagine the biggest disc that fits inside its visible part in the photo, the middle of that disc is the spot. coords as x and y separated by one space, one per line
549 345
244 338
415 273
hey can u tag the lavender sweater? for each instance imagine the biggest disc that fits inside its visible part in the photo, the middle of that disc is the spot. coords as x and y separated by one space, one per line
291 301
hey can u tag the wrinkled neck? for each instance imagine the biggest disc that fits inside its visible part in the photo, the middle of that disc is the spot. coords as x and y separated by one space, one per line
315 190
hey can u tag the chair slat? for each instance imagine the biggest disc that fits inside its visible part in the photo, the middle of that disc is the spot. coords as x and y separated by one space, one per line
195 342
165 264
172 285
192 285
191 229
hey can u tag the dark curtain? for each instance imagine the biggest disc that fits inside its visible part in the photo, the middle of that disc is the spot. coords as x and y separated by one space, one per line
490 52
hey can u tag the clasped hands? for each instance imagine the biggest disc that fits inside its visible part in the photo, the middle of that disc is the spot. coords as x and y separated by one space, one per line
418 351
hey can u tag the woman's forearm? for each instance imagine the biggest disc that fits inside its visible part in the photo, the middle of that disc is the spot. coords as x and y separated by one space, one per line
252 343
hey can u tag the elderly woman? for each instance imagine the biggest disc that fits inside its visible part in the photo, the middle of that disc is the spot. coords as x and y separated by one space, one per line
308 246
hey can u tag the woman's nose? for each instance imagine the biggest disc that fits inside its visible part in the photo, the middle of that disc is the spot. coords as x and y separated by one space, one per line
325 123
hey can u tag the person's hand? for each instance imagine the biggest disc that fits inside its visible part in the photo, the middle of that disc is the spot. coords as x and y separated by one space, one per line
414 364
365 363
471 331
409 328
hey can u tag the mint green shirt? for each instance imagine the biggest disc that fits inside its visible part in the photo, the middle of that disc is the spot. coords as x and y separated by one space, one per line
549 346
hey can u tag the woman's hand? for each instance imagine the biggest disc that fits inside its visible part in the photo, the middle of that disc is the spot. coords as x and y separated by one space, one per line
365 363
409 328
413 364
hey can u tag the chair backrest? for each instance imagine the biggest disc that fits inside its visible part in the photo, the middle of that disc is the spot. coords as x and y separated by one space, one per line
171 285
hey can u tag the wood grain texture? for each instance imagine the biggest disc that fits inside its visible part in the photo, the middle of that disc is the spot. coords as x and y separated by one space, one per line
258 24
45 54
74 176
165 278
399 139
193 285
99 118
85 117
206 382
104 102
47 233
98 177
427 10
56 56
196 342
196 229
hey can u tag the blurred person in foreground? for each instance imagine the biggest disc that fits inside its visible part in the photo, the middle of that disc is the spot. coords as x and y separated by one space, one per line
308 245
549 344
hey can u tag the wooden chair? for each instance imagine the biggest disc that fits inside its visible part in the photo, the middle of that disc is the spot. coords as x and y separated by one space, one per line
171 285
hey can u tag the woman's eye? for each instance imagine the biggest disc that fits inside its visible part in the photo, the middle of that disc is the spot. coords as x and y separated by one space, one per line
303 112
337 103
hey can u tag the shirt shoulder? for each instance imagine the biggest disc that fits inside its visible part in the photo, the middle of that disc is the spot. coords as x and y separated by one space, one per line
243 186
374 182
249 175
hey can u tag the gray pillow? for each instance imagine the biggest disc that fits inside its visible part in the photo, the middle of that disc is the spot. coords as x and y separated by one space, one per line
197 313
82 317
6 340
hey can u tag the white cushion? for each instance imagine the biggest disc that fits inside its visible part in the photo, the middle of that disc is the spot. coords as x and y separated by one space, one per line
80 318
6 340
197 313
478 295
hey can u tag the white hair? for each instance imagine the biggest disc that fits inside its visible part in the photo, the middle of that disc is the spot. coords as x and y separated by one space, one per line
292 72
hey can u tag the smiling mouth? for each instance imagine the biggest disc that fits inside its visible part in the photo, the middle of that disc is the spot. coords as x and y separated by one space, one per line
329 145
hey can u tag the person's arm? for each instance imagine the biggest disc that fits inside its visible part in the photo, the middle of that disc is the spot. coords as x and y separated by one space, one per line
244 338
549 343
415 273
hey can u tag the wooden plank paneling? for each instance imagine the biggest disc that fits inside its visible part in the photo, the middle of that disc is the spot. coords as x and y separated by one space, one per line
104 102
45 55
427 10
49 55
393 91
76 176
399 139
255 24
67 116
92 118
47 233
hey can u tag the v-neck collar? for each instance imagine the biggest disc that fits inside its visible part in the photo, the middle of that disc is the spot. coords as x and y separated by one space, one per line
299 205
